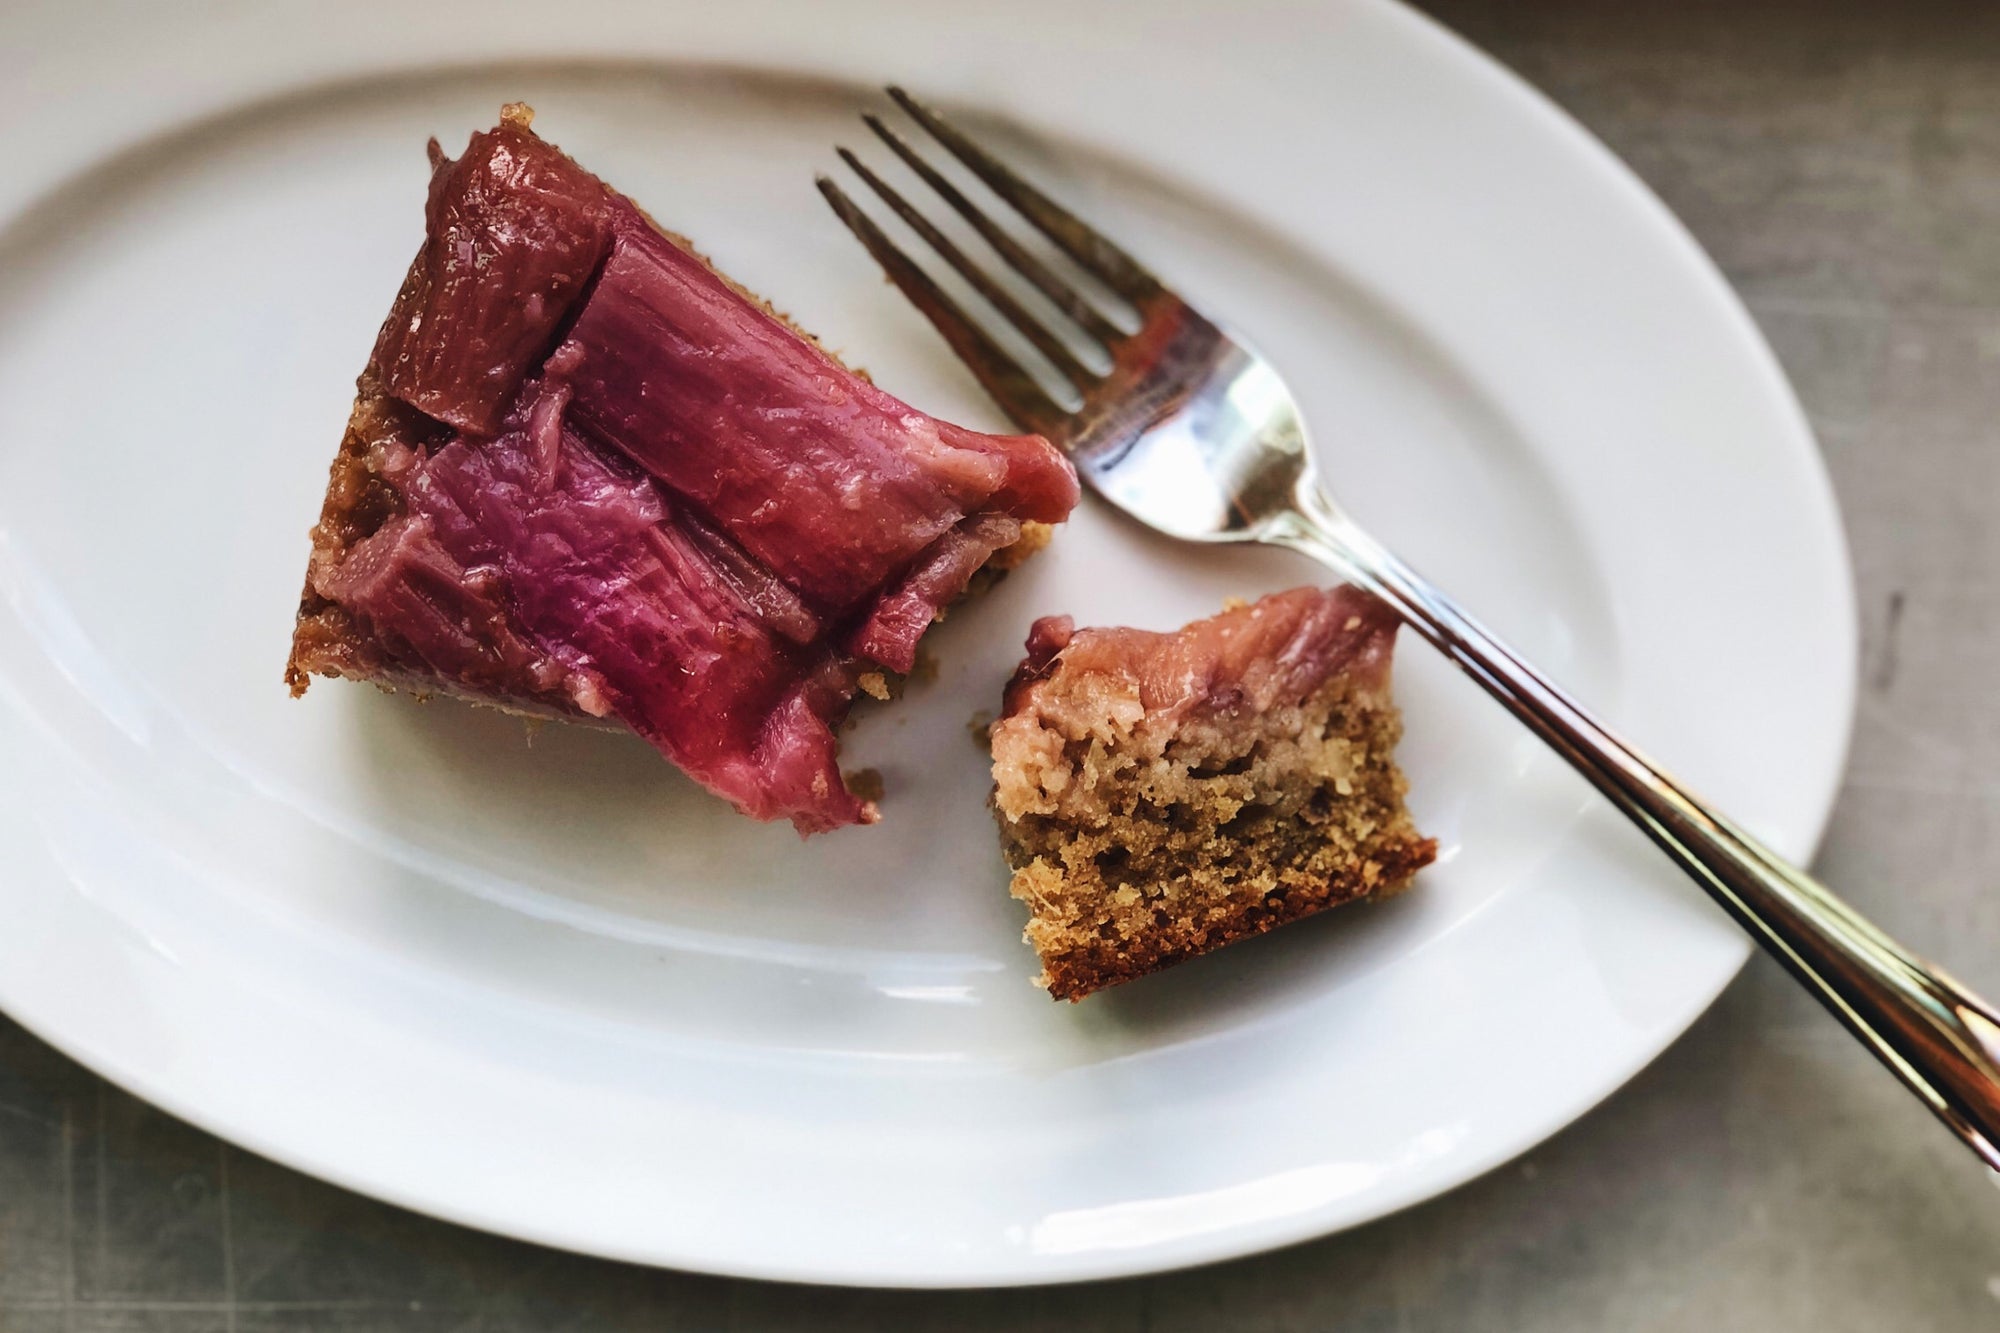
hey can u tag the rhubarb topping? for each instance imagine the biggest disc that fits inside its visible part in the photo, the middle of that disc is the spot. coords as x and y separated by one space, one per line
650 500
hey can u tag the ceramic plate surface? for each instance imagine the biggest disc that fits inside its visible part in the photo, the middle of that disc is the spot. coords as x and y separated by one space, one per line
540 983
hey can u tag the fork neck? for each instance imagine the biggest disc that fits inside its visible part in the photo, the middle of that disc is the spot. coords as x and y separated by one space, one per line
1314 525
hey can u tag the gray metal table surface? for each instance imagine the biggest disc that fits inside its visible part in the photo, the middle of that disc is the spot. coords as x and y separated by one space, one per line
1842 163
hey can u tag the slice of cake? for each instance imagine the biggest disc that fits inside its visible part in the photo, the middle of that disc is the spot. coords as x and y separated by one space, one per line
1160 795
588 477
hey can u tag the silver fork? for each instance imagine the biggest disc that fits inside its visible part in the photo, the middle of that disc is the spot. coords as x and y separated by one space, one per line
1196 436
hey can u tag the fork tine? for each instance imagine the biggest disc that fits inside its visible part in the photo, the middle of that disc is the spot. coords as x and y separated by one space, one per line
1013 388
1050 346
1066 298
1088 247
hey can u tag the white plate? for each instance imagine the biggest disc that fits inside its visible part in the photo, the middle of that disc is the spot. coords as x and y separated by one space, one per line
543 985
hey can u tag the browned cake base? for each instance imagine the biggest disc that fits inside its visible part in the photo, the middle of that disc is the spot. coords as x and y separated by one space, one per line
1143 835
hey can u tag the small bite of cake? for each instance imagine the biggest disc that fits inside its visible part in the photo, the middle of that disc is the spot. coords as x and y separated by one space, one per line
1162 794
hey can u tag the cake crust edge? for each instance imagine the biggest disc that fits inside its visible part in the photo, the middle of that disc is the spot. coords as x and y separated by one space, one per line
1080 972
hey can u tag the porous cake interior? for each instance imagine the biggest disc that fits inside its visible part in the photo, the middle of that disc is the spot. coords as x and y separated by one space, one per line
1142 836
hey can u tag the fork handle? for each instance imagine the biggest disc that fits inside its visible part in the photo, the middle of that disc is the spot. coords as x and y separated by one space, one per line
1938 1037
